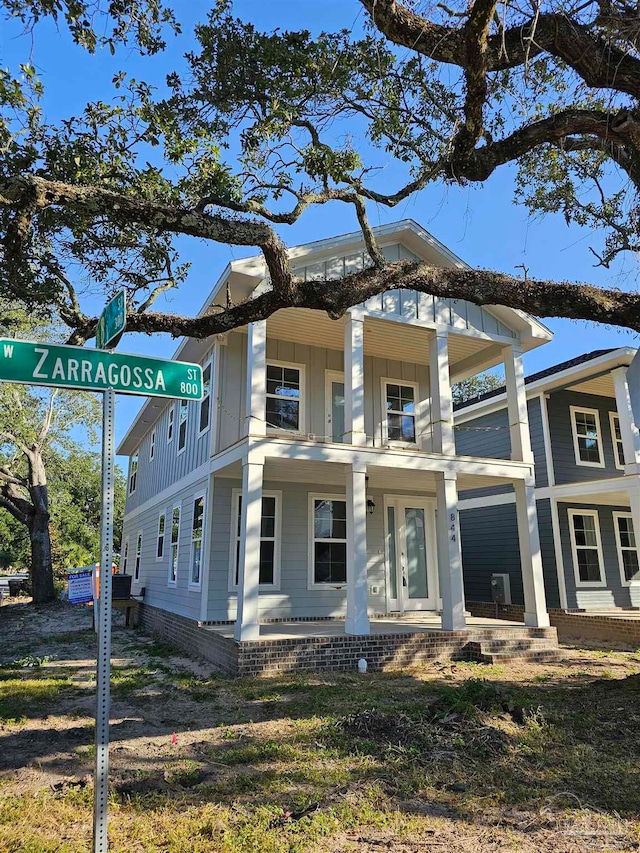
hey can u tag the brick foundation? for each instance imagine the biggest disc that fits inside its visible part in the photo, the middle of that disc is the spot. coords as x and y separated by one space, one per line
593 627
340 653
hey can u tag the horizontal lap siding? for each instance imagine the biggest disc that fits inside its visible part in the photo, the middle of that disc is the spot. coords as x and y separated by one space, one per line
154 573
614 594
564 459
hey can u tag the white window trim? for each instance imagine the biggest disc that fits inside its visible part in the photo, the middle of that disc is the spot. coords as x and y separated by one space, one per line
171 423
277 548
201 494
619 548
208 363
170 581
125 557
384 381
137 565
311 576
181 450
163 512
574 549
616 448
576 447
302 418
136 456
152 446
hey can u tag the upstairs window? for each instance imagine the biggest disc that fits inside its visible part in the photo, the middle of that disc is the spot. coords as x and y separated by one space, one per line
197 533
182 424
205 403
616 437
175 541
627 548
284 409
125 556
269 538
400 409
587 438
152 446
160 544
587 548
172 414
136 571
329 540
133 473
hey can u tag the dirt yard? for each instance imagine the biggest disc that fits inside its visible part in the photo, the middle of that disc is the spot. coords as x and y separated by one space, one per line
448 757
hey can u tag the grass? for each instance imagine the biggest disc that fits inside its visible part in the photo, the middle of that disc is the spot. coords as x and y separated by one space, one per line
313 762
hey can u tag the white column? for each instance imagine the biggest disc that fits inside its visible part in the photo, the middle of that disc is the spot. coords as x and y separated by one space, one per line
440 390
357 621
535 605
628 427
354 381
449 553
256 390
247 627
517 405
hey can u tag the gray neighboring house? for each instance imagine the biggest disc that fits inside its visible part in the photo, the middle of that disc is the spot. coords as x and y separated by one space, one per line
587 468
319 478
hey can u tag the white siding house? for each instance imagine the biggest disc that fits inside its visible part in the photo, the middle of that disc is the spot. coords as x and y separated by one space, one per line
319 477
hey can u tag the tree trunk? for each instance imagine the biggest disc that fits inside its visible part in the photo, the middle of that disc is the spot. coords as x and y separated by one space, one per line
41 563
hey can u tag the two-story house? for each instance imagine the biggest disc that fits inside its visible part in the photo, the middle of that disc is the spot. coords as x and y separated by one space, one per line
587 453
319 478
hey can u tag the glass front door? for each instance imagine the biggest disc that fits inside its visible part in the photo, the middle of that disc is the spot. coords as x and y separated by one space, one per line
334 396
411 555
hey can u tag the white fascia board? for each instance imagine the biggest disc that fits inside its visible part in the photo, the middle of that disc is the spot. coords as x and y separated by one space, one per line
578 373
589 488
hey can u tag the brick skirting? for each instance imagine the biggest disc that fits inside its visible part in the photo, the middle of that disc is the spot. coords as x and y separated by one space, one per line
615 629
339 653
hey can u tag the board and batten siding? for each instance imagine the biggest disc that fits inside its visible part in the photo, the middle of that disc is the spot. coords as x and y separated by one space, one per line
168 466
489 537
293 599
316 361
614 594
407 303
154 573
564 460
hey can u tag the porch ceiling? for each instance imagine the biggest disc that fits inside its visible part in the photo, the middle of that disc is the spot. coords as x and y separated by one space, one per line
380 478
600 385
620 498
382 338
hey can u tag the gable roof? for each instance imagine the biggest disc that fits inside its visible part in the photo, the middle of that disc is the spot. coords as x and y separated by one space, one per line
596 361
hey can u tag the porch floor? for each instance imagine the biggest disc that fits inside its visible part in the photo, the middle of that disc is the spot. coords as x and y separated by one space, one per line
335 627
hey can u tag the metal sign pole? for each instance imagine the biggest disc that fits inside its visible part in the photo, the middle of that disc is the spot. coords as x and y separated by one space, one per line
101 778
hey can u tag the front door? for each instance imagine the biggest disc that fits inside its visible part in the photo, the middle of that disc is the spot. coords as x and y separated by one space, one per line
334 401
411 555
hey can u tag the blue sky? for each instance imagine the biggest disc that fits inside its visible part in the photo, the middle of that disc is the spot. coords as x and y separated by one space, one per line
479 223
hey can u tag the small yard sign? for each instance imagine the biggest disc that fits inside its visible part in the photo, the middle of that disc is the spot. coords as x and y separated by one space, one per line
80 587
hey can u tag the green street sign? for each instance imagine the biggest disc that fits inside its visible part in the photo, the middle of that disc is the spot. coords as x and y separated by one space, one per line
112 320
64 366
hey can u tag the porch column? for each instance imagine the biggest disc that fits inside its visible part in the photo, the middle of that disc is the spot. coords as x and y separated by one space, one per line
535 605
354 381
628 427
517 405
247 627
256 389
440 390
449 553
357 621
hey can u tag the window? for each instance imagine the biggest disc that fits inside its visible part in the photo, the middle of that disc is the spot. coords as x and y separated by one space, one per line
587 549
152 446
269 573
197 529
285 397
182 424
172 412
616 437
205 403
400 408
627 549
133 473
136 571
587 442
328 558
173 551
125 556
160 545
